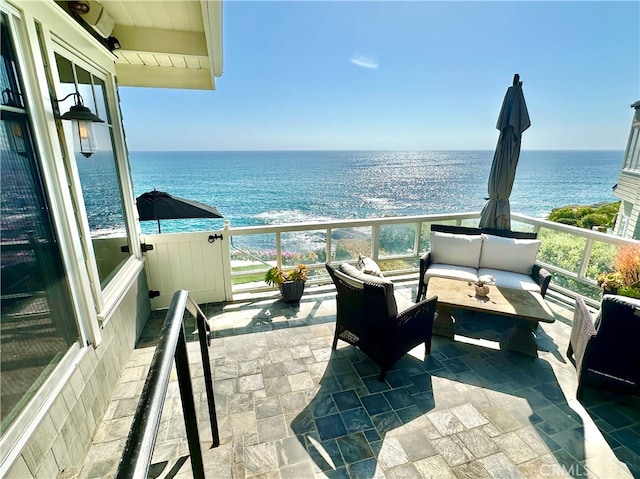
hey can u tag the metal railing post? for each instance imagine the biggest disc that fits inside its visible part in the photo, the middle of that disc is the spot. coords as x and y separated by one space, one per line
188 405
204 336
138 451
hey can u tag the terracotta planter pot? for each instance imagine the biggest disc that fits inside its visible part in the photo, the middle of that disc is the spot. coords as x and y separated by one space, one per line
292 291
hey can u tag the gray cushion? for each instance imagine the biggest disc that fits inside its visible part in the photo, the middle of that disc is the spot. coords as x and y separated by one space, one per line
369 266
358 278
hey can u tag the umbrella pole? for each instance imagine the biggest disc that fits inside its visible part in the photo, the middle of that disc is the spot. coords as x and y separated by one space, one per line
159 227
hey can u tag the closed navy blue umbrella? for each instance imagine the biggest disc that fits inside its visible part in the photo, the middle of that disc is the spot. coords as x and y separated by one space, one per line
158 205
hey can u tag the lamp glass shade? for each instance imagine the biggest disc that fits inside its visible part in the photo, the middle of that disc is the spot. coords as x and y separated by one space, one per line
82 120
86 136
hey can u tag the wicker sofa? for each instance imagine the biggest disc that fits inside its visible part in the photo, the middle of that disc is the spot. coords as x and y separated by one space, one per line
606 350
367 317
468 253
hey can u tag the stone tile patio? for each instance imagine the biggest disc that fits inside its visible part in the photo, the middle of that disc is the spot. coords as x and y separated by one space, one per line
290 407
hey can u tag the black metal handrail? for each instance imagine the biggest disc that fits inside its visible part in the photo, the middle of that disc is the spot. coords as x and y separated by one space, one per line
138 450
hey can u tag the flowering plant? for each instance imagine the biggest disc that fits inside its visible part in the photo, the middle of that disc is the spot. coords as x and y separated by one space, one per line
612 280
626 276
275 276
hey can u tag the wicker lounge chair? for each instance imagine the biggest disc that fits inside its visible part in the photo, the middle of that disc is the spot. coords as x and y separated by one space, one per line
607 352
367 317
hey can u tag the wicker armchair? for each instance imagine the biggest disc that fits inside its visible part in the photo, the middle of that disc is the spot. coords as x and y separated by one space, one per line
606 352
367 317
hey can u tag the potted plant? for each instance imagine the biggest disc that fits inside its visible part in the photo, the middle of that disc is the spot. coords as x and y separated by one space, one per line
610 282
625 279
291 283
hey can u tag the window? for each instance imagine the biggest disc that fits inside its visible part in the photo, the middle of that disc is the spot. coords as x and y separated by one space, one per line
632 160
38 323
98 174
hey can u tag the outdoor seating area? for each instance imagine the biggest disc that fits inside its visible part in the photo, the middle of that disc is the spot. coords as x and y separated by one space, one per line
289 406
505 257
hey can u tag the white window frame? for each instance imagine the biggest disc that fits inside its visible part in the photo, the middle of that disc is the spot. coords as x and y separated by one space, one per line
29 44
19 432
106 299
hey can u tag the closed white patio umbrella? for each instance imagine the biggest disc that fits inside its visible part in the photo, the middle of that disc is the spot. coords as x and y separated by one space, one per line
512 122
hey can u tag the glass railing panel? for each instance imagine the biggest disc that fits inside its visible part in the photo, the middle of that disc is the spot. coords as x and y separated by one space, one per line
601 259
348 243
399 264
306 247
251 256
423 243
396 240
522 227
565 251
469 223
560 249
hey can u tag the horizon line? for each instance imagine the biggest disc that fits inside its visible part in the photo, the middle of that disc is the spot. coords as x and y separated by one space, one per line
369 150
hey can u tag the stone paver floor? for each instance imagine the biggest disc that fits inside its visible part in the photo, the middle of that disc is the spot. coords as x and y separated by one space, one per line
290 407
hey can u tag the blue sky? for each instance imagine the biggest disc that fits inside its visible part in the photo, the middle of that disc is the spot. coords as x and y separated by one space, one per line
403 76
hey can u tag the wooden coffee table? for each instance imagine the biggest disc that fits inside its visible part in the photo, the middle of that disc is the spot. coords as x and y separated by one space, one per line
524 308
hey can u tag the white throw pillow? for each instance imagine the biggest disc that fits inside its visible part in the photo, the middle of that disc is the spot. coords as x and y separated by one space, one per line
456 249
508 254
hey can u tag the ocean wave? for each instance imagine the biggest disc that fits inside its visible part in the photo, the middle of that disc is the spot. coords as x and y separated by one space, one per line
290 216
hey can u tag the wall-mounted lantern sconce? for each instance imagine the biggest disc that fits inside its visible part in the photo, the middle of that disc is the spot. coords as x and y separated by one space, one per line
82 120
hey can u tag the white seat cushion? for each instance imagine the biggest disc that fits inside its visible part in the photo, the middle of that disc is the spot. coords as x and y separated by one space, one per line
508 254
451 272
460 250
508 279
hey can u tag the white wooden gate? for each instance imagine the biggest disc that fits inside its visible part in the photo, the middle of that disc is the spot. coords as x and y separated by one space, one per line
191 261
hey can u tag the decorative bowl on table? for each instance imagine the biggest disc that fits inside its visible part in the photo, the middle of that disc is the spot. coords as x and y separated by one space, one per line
482 285
481 289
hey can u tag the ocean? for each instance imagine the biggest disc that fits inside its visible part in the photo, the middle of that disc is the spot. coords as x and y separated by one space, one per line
273 187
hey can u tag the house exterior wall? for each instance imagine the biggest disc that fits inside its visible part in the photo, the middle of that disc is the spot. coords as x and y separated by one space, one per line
59 443
628 190
628 186
54 427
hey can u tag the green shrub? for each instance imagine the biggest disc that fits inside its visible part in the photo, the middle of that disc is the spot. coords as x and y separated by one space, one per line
565 251
586 216
594 219
567 221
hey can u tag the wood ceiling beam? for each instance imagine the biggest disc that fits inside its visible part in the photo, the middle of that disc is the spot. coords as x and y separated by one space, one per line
158 40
